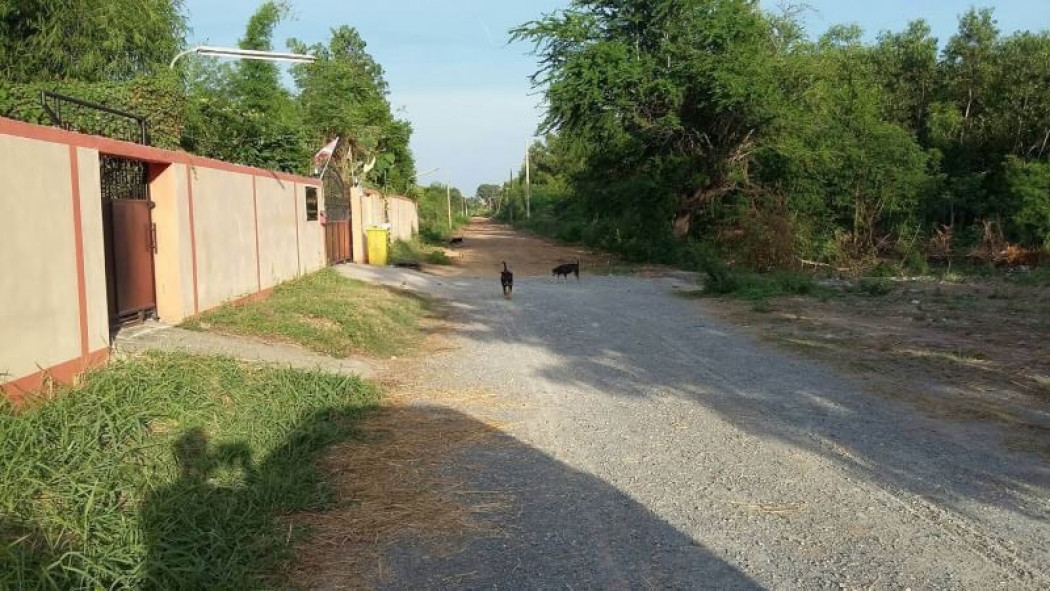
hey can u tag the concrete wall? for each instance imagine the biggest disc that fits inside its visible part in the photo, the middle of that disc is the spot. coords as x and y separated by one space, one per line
278 250
224 217
39 312
174 261
370 208
94 260
404 218
311 233
224 231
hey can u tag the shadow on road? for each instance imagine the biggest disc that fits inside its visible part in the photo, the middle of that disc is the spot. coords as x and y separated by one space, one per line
217 525
631 338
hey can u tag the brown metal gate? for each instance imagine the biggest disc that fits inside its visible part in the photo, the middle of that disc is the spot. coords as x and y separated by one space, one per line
338 245
130 238
337 241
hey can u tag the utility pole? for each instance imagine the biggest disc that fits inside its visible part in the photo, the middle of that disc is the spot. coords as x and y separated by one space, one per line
510 189
528 184
448 201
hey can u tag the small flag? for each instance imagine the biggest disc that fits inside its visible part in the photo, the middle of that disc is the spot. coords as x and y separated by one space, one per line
325 155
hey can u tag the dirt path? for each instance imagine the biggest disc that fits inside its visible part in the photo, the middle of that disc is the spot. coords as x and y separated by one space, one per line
633 441
486 245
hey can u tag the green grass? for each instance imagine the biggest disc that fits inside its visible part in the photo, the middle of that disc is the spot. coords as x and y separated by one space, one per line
760 286
874 286
416 252
327 313
438 257
167 471
1038 277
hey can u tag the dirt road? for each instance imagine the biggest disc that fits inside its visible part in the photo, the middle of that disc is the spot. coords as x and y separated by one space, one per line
644 443
486 245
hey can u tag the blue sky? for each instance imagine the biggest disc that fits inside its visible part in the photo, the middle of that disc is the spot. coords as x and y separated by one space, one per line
467 92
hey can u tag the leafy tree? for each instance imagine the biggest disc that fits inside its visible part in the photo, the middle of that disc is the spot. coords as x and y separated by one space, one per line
1029 184
906 67
88 40
672 91
842 166
489 194
242 113
713 120
343 94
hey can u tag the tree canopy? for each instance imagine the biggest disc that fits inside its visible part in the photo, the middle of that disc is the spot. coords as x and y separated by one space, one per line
88 40
343 94
715 120
118 52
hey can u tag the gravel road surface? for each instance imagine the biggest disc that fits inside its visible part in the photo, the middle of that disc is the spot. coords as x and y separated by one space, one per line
649 445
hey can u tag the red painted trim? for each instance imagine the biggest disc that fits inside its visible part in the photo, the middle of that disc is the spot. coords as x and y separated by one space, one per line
137 151
78 247
23 389
298 248
193 239
255 209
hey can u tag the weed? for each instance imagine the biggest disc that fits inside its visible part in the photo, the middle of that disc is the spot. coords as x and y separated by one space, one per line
1039 277
756 286
438 257
327 313
406 251
762 306
875 286
415 252
166 471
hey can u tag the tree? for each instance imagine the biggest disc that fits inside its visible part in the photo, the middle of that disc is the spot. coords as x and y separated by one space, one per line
489 194
343 94
242 113
906 67
842 166
673 91
88 40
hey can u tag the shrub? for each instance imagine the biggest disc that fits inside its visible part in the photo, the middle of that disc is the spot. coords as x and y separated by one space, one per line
438 257
875 286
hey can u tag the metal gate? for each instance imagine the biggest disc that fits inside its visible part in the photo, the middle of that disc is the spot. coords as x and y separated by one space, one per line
130 239
337 241
338 245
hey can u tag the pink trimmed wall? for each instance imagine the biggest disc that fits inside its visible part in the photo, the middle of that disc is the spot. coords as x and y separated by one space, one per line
224 232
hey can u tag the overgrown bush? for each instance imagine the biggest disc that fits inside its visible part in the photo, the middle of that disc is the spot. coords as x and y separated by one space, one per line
159 98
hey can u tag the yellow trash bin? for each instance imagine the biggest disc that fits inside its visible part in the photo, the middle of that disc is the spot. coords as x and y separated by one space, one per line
377 246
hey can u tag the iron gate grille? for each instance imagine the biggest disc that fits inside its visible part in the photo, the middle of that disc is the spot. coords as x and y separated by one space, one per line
124 179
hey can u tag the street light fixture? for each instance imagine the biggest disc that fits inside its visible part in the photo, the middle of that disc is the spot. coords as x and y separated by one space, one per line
246 54
424 173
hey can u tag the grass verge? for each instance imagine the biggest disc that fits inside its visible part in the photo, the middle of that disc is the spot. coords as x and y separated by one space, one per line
167 471
327 313
416 252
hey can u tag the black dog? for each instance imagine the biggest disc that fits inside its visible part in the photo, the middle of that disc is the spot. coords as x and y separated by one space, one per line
506 279
456 241
567 269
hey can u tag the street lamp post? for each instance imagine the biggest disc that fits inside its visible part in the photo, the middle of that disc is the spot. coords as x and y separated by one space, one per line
245 54
528 184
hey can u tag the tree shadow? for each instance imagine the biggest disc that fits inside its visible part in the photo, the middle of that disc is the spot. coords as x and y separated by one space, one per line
632 340
217 525
555 526
220 524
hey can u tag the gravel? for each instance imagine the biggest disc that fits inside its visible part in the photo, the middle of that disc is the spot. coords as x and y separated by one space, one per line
650 445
